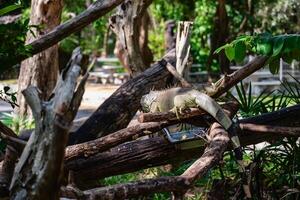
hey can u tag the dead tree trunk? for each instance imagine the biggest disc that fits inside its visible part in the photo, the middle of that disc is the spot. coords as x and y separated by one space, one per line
39 169
170 35
42 69
219 38
130 24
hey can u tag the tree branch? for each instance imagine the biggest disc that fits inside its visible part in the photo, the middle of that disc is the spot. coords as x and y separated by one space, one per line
96 10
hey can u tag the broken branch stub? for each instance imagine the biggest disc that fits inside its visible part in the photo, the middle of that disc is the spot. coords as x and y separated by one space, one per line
39 168
183 46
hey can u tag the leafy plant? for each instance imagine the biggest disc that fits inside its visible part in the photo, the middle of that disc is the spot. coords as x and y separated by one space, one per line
279 168
293 90
17 123
9 97
285 46
250 106
9 8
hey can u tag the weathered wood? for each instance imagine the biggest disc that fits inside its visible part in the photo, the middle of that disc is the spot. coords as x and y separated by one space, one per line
173 71
274 130
228 81
13 150
96 10
170 35
41 70
39 169
183 46
117 111
212 154
162 116
127 24
141 154
87 149
130 190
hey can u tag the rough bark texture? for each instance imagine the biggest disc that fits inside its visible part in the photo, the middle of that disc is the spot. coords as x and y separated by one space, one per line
170 35
11 155
39 169
130 24
228 81
140 154
213 153
117 111
42 69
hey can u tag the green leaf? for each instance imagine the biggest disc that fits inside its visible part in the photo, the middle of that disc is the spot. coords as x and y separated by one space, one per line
8 9
220 49
278 44
230 51
264 47
239 51
274 65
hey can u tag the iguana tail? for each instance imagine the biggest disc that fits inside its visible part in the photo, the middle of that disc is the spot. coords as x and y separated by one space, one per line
209 105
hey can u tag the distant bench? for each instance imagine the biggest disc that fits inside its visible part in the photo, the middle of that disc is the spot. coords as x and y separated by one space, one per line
105 77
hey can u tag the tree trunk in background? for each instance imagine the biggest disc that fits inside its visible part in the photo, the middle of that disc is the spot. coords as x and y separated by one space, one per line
105 50
131 24
170 35
41 70
219 38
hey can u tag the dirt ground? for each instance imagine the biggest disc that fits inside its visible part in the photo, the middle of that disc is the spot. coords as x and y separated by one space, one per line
95 94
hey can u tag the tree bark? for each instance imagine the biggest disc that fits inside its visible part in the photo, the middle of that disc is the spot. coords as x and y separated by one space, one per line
96 10
117 111
141 154
39 169
130 24
42 69
170 35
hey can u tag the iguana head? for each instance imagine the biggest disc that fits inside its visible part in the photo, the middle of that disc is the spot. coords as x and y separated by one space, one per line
147 101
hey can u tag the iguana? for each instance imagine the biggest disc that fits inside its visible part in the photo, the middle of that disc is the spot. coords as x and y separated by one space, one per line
179 99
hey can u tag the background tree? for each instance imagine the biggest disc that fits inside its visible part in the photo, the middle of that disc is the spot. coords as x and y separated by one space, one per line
42 69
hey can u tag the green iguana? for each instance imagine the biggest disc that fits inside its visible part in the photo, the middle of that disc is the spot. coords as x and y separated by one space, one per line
179 99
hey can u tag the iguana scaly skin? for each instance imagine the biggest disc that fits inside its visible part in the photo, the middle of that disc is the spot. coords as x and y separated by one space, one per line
180 99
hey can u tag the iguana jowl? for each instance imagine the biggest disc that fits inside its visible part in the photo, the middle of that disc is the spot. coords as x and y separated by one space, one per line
178 99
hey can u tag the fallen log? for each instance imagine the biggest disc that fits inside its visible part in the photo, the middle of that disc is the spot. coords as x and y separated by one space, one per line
117 111
141 154
163 120
178 184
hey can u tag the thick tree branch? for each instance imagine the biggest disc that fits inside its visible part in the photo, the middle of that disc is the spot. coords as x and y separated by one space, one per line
118 110
268 129
228 81
42 159
96 10
211 156
140 154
